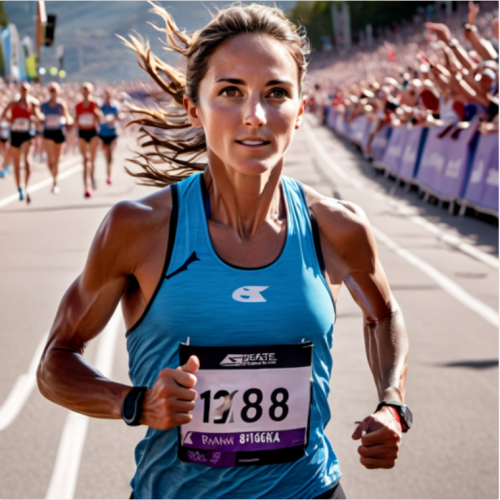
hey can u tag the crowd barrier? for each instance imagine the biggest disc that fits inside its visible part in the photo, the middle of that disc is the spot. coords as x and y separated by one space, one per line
452 163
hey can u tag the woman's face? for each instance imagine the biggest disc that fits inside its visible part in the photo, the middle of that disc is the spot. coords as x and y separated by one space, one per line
249 104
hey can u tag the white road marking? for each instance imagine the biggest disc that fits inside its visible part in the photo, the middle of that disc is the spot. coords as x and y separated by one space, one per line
65 473
450 239
21 390
456 291
46 182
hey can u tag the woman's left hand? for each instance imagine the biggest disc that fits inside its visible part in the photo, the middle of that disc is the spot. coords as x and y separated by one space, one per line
380 436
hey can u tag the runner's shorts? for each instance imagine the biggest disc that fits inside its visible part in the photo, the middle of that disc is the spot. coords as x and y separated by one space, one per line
108 139
87 134
18 138
56 135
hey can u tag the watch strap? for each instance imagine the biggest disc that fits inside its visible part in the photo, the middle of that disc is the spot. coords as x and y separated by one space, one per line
399 407
132 405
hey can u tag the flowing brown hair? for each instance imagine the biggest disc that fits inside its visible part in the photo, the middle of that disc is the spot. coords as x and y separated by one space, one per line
182 153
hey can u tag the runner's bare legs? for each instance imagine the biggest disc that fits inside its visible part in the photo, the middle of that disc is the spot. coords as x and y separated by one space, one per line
94 142
24 153
83 150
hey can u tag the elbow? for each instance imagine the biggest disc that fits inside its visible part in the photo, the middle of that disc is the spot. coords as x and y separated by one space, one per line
41 378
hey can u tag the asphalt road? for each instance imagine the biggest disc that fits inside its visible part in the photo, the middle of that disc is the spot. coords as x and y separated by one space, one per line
443 271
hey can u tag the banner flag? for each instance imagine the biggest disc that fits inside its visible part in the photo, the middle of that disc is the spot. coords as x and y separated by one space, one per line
394 151
482 188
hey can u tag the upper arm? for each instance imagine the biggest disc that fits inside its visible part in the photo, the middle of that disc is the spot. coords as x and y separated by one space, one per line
65 110
352 252
92 298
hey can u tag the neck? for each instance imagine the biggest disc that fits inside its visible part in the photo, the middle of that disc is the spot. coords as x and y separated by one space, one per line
53 100
244 202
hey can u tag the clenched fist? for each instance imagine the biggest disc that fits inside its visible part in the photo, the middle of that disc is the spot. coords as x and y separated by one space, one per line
170 401
380 436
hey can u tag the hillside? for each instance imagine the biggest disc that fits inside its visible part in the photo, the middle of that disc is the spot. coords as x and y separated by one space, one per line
88 32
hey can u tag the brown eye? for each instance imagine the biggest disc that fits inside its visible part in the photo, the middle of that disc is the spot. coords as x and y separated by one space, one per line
278 93
230 92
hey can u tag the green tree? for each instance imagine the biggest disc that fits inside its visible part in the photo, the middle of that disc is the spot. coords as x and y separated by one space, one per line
317 19
4 19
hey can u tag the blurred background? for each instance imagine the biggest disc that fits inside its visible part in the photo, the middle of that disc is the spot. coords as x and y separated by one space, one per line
402 119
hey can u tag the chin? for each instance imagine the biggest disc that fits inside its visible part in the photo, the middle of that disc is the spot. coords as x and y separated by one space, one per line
255 167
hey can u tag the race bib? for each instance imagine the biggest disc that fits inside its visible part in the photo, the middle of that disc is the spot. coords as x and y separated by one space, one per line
4 130
86 119
21 125
52 121
253 405
110 121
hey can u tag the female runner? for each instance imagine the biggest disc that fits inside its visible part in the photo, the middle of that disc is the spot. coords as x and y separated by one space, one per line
54 110
21 113
88 115
107 131
227 281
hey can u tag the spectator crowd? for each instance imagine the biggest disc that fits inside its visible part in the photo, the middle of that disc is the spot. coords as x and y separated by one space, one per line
446 73
423 105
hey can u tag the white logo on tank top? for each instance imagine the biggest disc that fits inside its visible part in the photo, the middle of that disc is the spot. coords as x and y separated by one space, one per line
250 294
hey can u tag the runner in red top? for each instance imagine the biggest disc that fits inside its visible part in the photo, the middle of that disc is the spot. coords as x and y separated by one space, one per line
87 118
19 112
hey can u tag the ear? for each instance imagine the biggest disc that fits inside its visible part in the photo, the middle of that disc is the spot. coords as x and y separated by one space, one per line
300 114
192 112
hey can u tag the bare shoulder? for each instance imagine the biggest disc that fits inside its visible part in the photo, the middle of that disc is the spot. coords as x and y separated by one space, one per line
144 213
34 101
131 226
345 228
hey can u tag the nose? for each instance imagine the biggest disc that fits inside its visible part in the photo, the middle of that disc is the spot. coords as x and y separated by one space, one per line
255 114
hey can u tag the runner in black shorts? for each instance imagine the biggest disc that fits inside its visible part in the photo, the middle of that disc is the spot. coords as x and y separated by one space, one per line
21 113
54 110
107 131
88 115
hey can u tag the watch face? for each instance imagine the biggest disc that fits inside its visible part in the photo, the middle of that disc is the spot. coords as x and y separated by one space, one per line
129 408
408 416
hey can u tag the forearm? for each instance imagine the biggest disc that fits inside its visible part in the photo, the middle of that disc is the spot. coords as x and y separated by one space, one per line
463 57
67 379
387 351
484 48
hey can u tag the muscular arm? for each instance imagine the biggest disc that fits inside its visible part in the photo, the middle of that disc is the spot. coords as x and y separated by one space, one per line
129 241
351 257
63 375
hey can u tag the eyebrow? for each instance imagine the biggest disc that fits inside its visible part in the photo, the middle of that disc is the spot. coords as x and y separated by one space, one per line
237 81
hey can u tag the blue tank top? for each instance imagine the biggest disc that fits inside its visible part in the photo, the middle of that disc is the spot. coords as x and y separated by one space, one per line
195 302
108 129
53 116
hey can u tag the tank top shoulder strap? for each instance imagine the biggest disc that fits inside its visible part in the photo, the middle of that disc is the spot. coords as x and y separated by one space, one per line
305 215
189 221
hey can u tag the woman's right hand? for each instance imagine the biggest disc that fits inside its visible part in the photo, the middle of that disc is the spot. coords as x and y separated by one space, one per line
171 400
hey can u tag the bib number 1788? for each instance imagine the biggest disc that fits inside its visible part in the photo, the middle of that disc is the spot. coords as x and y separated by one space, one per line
253 409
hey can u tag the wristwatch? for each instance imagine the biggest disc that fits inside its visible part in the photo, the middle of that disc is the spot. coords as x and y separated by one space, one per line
132 405
470 27
403 411
453 43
